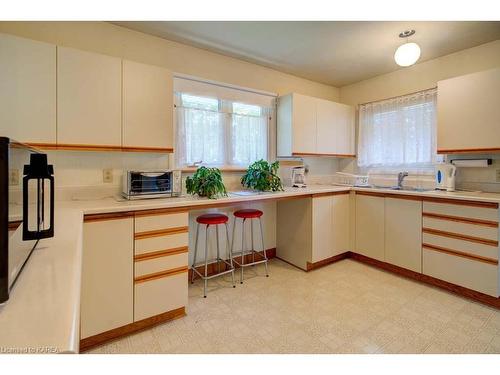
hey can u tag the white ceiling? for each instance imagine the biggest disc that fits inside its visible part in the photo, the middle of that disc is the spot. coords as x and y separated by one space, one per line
334 52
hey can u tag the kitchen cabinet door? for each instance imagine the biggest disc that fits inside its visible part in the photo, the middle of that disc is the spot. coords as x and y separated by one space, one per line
88 98
304 125
344 130
327 127
27 90
468 114
341 223
107 299
403 233
370 226
322 224
147 106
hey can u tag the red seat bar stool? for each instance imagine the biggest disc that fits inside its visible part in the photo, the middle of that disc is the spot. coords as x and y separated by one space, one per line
208 220
248 214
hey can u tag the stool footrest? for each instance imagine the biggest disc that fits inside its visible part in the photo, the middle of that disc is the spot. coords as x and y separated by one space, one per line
251 263
214 275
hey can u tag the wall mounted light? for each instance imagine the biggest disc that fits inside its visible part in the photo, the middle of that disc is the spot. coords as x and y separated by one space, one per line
408 53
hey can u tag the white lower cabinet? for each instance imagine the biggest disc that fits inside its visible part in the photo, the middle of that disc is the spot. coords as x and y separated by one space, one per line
160 263
157 296
107 299
370 226
403 233
460 244
330 226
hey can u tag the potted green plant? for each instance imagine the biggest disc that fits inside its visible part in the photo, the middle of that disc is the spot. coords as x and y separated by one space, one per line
262 176
206 182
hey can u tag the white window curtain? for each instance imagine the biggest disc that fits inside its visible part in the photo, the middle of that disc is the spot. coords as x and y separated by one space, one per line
398 132
220 132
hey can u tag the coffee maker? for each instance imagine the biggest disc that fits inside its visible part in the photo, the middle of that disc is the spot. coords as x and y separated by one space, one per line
299 177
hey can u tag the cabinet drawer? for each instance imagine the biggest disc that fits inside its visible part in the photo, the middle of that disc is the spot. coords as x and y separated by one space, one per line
160 295
462 210
148 266
472 274
151 244
463 228
156 222
464 246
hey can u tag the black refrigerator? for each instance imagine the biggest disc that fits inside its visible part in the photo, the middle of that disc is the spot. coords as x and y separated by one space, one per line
26 208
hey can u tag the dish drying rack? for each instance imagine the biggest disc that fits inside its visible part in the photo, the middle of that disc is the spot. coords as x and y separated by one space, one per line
349 179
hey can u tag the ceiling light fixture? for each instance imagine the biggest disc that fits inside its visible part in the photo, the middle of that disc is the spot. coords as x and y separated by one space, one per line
407 54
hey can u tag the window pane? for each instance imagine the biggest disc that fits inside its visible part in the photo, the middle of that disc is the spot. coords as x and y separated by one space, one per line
199 102
247 109
249 139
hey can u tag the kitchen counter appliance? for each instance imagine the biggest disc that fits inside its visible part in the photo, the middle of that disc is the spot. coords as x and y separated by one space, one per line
445 177
152 184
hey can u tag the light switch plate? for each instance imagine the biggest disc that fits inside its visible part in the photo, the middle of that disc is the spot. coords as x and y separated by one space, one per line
13 177
107 175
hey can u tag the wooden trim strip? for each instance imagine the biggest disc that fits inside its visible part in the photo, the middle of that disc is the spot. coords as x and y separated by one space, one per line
461 254
429 280
101 338
161 211
13 225
312 266
370 193
160 275
160 232
318 154
460 219
461 202
160 253
468 150
329 194
107 216
167 150
457 236
86 147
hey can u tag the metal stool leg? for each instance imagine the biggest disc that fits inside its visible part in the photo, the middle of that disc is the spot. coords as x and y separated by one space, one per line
206 263
263 246
230 251
218 251
242 261
195 252
253 247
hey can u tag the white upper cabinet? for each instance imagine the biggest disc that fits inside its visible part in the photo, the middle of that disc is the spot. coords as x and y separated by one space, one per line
88 98
27 90
147 106
311 126
469 113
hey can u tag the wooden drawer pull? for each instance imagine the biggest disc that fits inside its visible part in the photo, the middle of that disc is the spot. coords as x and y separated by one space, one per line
460 236
160 232
160 275
460 254
161 253
459 219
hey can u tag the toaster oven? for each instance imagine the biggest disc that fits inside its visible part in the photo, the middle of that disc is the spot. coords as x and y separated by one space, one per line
152 184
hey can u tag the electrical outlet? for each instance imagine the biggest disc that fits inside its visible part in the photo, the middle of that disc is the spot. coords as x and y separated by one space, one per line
107 175
498 175
13 177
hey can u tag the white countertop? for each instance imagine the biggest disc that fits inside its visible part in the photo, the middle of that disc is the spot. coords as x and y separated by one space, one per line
44 307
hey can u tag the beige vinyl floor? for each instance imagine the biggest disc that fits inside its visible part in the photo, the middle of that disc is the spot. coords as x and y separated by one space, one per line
346 307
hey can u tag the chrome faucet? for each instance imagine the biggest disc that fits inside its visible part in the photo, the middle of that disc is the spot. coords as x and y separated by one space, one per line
401 177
